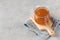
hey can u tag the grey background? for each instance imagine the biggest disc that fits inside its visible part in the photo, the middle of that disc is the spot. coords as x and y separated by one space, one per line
13 14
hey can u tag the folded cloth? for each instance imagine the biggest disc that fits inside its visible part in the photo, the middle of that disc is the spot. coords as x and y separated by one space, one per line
43 35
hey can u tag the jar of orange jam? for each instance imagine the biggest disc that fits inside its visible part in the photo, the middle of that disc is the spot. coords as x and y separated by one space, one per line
42 16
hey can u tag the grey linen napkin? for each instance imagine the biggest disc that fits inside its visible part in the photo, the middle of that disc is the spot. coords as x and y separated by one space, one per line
43 35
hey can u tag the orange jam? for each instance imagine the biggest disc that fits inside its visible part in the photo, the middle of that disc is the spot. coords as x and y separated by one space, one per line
42 16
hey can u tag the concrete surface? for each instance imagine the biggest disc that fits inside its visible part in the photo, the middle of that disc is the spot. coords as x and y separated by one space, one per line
13 13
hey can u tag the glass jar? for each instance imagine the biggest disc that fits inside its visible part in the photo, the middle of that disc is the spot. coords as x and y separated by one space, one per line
42 16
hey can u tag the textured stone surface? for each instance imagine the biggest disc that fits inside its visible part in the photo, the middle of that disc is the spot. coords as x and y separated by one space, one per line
13 14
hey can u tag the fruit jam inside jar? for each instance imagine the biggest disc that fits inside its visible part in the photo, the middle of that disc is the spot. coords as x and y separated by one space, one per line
42 16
